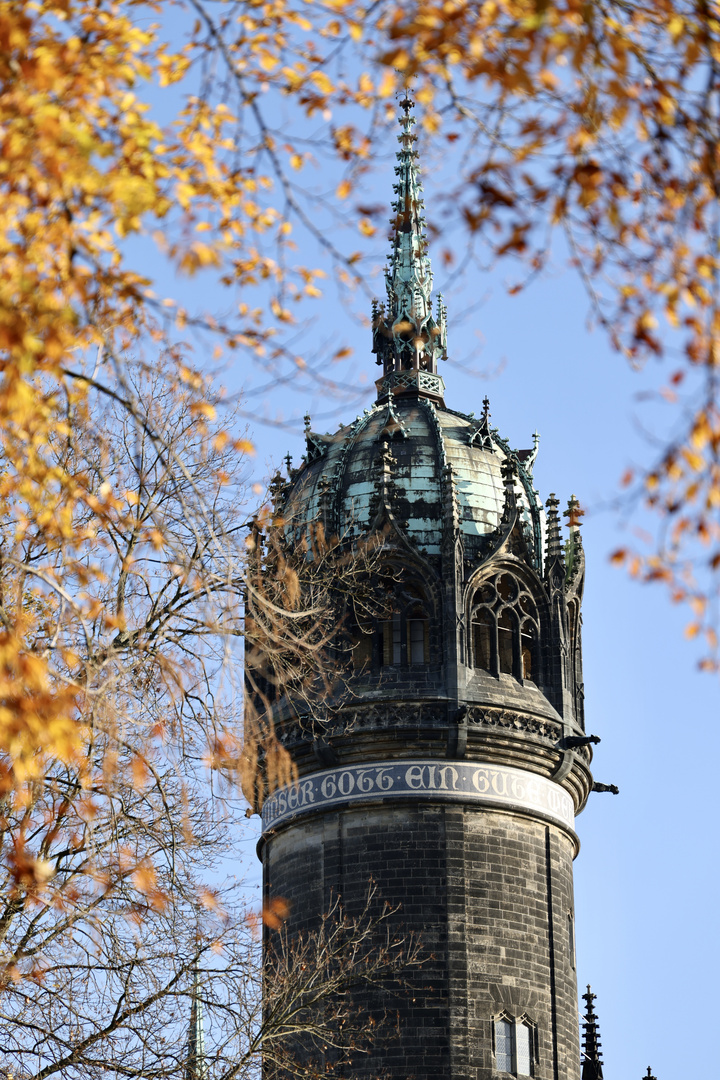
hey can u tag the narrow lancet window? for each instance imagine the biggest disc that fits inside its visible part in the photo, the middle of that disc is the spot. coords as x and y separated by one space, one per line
506 626
503 1045
528 644
417 637
483 640
524 1055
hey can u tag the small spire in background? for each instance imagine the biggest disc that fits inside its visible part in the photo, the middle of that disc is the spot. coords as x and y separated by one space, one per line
196 1065
592 1057
649 1075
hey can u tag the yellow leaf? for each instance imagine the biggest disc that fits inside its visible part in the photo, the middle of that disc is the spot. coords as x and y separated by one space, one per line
323 83
343 189
676 27
388 81
548 79
695 461
203 408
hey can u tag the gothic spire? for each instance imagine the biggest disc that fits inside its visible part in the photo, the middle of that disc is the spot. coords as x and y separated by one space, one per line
592 1056
195 1065
406 334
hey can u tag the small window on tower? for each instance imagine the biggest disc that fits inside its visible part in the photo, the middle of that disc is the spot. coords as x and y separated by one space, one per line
392 642
504 1045
483 640
362 652
417 638
506 626
571 939
524 1051
528 644
515 1046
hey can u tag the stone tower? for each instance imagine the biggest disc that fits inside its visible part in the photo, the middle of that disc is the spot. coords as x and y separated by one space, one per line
452 763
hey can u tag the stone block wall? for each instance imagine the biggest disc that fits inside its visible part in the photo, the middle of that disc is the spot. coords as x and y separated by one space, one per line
488 893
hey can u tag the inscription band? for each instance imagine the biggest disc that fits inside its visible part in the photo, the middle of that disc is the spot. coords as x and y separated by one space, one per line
419 778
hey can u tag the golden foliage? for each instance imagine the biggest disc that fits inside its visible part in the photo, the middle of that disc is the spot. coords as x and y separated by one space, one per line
595 120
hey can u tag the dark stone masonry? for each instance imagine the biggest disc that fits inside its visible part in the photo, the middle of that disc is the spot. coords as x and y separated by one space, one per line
449 769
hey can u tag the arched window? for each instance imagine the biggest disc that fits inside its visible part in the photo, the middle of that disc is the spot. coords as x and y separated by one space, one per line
515 1046
505 628
405 636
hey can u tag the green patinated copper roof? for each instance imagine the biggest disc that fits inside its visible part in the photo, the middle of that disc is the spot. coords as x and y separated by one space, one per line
432 454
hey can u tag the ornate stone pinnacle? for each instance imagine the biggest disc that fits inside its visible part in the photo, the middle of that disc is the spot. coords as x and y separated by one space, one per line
407 336
508 471
592 1056
554 544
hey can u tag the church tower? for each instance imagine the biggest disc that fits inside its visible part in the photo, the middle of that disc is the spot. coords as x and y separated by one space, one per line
449 767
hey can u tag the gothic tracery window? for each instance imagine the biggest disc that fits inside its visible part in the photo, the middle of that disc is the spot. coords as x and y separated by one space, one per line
505 628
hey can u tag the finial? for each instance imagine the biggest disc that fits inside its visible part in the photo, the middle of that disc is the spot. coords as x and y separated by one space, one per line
288 464
573 513
196 1065
649 1075
407 336
554 538
306 418
485 418
592 1056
